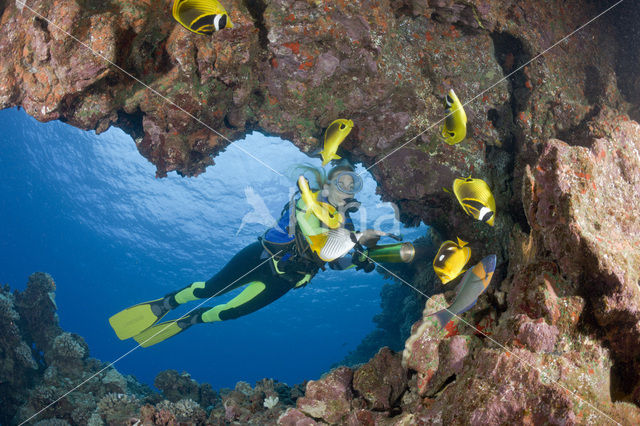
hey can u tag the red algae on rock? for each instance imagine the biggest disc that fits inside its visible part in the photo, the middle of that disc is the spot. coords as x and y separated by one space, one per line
557 332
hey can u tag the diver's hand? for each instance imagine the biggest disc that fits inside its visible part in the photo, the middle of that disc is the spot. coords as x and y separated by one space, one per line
362 261
370 237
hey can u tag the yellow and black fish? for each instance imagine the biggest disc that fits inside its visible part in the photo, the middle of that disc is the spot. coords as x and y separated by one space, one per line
450 260
455 123
333 137
201 16
476 199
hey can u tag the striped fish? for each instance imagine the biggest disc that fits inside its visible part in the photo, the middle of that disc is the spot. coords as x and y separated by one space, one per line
476 199
201 16
473 284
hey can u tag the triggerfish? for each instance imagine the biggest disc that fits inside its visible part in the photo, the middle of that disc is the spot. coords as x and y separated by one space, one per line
455 122
201 16
333 137
450 260
325 212
473 284
476 199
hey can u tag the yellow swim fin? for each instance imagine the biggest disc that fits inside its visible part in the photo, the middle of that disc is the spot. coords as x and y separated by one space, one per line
135 319
161 332
158 333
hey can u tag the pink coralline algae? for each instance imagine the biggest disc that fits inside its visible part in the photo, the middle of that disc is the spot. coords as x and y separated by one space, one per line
555 339
538 335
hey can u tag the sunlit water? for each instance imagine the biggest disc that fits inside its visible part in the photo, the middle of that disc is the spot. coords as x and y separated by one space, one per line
88 210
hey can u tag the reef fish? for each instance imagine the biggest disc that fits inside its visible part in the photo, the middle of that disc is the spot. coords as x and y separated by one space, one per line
333 244
450 260
455 122
476 199
201 16
473 284
325 212
333 137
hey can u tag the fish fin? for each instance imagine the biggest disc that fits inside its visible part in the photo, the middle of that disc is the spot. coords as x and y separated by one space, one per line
336 157
468 307
461 243
443 316
459 287
446 190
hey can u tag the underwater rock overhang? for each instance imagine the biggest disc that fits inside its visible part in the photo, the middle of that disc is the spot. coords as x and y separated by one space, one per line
289 69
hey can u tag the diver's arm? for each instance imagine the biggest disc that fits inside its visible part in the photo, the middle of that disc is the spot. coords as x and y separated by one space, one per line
370 237
341 263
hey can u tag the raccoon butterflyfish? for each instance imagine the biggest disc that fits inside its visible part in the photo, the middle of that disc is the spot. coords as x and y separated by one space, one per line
201 16
476 199
333 137
454 129
325 212
450 260
473 284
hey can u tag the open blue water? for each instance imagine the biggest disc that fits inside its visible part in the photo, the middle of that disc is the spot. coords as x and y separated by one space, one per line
87 209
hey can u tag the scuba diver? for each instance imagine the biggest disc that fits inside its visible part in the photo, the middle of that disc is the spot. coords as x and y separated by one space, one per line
314 230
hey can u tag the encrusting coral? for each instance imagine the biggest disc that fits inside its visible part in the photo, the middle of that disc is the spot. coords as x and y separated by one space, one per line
44 378
554 339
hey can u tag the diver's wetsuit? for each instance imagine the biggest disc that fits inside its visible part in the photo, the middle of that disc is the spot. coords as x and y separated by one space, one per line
266 278
247 267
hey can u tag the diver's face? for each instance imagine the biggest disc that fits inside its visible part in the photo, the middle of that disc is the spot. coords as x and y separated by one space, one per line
342 188
336 197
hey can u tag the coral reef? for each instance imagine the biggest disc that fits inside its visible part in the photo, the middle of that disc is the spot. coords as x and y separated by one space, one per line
555 339
62 385
176 387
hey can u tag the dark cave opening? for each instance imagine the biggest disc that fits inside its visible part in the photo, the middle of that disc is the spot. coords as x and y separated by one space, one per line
512 56
256 8
624 20
131 123
510 53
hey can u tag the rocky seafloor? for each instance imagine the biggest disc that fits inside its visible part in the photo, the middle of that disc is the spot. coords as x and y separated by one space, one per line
552 128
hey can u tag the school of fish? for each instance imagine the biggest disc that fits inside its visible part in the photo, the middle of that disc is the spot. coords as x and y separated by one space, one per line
474 195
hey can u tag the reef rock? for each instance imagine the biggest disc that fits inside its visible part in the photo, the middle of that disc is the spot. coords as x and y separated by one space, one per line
556 337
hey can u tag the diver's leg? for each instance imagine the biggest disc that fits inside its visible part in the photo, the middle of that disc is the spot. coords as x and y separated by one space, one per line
235 273
242 268
256 295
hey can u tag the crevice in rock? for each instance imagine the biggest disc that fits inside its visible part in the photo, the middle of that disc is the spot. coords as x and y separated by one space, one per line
159 56
446 383
580 135
594 86
256 8
402 8
623 380
38 22
624 21
131 123
510 53
123 48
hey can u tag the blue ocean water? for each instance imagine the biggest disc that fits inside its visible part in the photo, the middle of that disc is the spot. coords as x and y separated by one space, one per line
88 210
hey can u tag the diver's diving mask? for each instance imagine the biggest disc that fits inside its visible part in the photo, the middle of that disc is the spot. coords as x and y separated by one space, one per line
348 182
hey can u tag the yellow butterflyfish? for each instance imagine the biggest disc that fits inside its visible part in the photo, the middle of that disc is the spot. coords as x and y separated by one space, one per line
333 137
455 123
